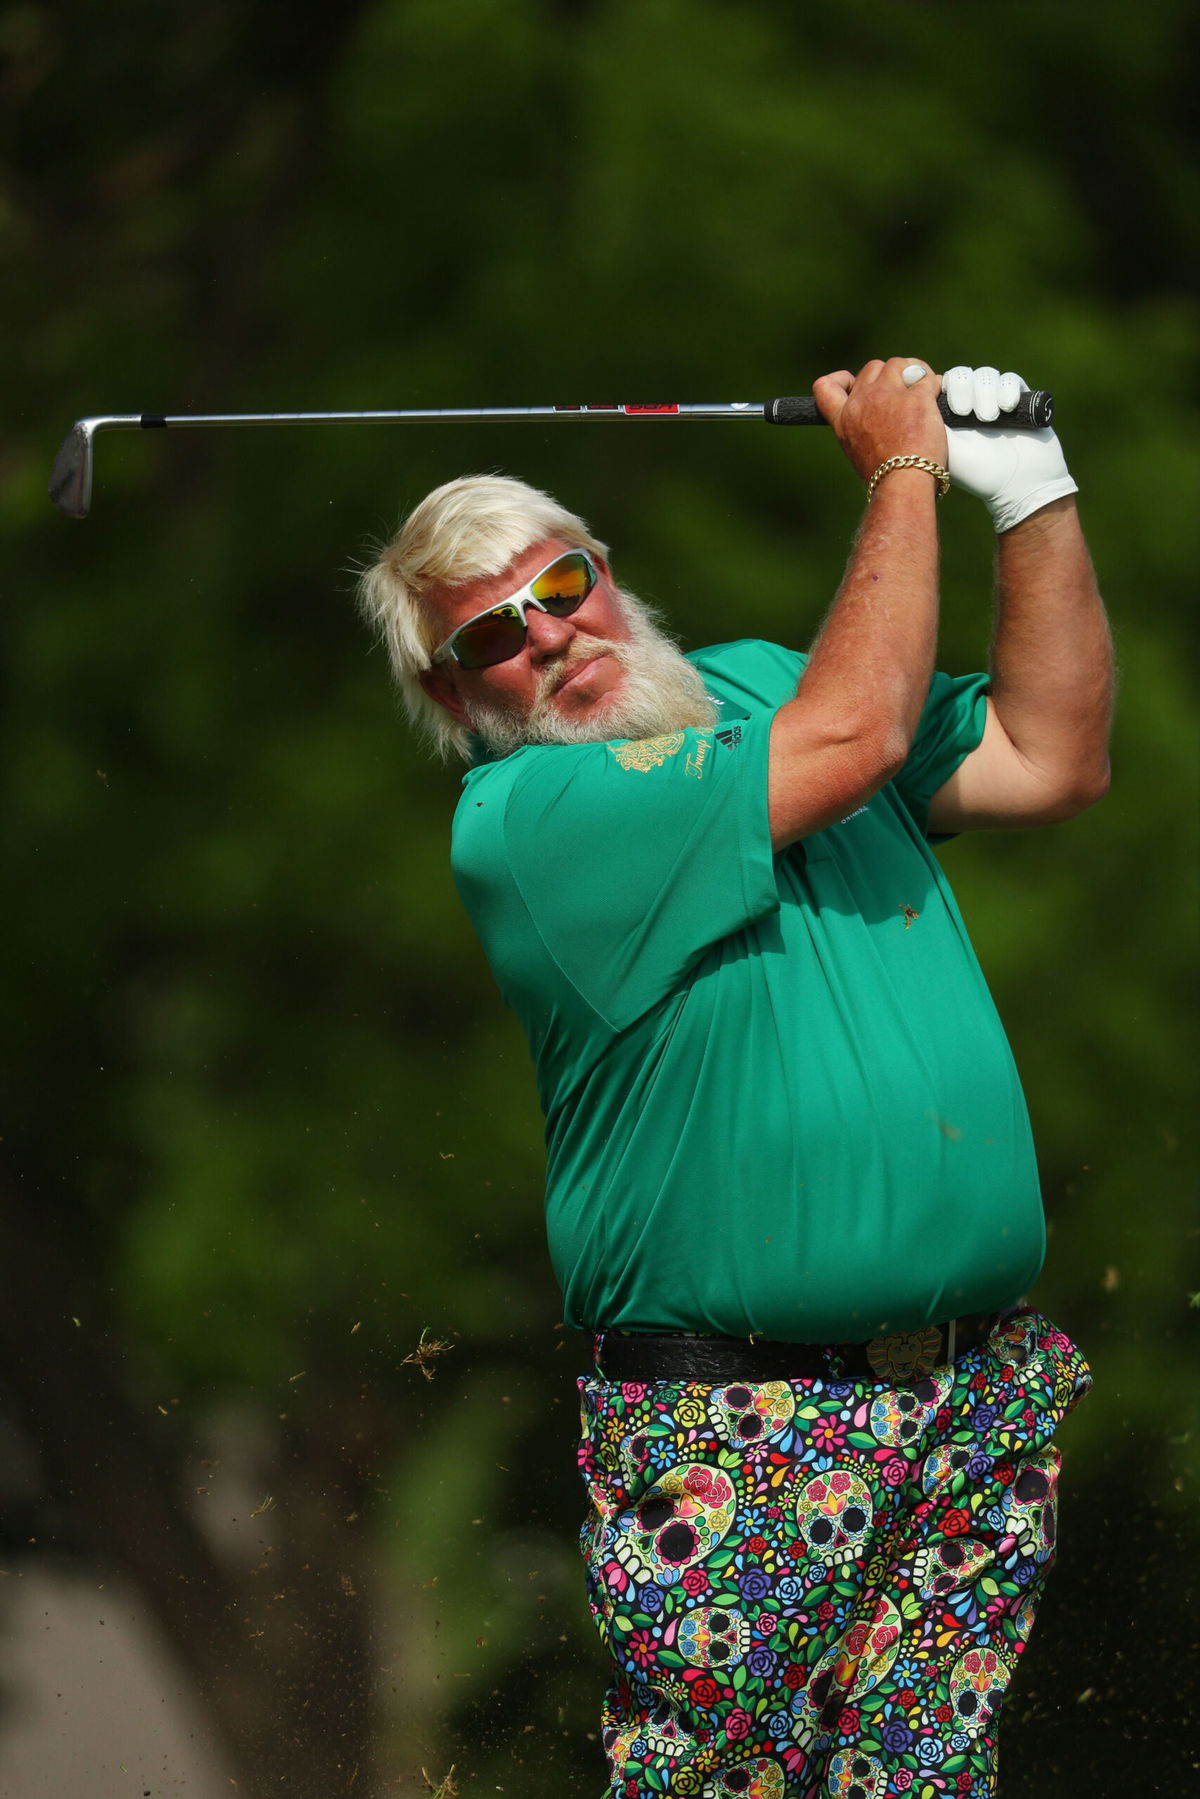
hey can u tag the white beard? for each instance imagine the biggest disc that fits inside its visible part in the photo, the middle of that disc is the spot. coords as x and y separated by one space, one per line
661 692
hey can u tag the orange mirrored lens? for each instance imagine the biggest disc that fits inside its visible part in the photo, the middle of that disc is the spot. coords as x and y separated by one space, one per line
564 584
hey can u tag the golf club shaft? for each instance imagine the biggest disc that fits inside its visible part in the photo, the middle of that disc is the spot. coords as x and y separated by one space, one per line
71 477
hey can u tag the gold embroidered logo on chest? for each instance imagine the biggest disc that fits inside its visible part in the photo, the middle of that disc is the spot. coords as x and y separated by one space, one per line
650 752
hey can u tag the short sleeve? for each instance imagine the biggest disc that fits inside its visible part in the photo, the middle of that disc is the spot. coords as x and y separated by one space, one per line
951 726
631 860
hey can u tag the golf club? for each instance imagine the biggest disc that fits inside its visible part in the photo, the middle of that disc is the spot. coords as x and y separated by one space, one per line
71 476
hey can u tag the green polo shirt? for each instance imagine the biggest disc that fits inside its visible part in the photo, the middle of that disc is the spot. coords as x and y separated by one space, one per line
778 1097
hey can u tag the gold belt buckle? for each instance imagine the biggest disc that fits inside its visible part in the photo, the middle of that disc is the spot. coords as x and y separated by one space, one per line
905 1356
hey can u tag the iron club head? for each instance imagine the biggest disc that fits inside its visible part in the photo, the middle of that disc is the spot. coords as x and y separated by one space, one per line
71 476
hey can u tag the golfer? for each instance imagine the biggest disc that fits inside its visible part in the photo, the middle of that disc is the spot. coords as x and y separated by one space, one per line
791 1187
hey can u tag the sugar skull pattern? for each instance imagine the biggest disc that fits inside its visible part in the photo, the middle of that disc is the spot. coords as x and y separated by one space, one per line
822 1587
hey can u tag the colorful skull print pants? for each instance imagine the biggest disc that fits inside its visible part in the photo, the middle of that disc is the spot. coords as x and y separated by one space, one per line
817 1588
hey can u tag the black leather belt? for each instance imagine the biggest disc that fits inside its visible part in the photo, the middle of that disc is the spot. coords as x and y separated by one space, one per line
899 1358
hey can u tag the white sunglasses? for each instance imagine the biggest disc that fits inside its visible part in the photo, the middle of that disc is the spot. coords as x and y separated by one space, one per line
499 633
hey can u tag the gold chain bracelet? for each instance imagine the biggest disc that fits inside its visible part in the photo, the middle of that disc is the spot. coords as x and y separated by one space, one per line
940 475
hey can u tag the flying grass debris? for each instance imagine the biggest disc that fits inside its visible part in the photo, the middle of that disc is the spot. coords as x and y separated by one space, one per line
424 1355
444 1789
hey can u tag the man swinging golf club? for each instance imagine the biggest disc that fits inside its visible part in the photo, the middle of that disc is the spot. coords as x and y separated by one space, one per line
791 1186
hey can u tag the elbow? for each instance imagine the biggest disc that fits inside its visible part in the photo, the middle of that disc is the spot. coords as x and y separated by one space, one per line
1086 792
821 772
891 750
867 763
874 754
1083 788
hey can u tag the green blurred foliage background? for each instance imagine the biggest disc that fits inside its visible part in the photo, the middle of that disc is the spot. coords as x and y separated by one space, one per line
265 1120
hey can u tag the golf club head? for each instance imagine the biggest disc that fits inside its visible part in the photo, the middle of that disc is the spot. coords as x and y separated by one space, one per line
71 476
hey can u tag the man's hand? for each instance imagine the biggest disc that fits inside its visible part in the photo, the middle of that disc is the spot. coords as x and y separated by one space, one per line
876 414
1014 473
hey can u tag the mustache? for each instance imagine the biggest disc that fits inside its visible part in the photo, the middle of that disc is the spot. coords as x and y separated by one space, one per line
580 649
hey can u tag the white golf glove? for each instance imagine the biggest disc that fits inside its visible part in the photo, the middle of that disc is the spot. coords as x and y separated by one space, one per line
1014 473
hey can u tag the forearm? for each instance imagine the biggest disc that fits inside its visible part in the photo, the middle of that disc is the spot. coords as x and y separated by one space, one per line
871 664
1052 660
859 701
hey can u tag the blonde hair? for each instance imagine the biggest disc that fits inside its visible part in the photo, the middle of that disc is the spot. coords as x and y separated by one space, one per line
469 528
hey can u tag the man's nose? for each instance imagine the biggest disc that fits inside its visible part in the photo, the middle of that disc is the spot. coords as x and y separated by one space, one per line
548 636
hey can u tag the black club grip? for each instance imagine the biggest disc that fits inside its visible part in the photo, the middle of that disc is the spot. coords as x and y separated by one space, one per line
1034 409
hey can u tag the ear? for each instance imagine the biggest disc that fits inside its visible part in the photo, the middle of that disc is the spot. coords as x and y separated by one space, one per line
439 685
